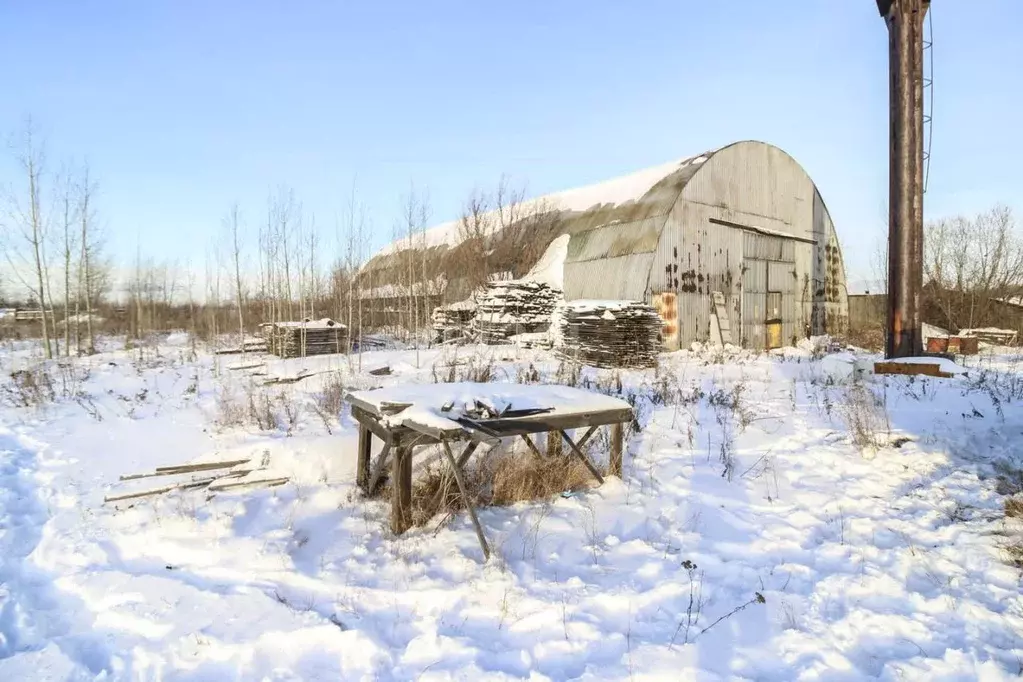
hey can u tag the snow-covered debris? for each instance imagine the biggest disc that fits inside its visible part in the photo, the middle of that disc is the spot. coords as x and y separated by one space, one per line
453 321
512 307
608 333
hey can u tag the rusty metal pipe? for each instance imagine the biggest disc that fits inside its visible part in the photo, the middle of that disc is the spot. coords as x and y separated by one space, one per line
905 20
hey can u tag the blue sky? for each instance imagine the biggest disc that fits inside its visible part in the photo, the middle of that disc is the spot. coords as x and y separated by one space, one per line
183 108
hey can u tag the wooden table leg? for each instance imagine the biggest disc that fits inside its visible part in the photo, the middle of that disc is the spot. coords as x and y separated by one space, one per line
365 449
583 458
465 498
616 449
401 489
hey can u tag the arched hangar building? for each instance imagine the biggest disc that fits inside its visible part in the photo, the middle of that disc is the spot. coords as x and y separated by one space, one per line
739 234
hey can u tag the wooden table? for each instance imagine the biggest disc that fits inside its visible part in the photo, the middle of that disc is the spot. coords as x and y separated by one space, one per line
407 417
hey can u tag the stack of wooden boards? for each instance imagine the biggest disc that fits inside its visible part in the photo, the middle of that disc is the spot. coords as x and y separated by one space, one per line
308 337
453 321
215 477
611 334
511 307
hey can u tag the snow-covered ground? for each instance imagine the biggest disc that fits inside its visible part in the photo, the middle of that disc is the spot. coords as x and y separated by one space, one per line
772 524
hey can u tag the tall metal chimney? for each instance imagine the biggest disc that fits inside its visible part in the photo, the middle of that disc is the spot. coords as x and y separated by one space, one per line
905 21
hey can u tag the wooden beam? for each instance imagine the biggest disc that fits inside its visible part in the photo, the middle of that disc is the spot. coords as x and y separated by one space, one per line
185 485
910 369
467 453
583 458
552 422
468 502
217 486
581 443
378 470
185 469
617 438
401 489
532 446
373 424
365 453
437 433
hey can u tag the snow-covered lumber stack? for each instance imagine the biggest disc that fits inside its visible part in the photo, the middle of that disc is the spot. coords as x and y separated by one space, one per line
308 337
512 307
608 333
453 321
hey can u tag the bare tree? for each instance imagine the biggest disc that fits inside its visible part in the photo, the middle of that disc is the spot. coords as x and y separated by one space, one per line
68 209
85 262
26 252
475 228
233 224
973 264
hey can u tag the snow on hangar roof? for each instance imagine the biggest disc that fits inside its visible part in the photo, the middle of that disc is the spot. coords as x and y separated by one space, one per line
615 192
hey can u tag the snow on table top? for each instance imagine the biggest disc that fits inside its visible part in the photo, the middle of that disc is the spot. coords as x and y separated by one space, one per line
427 399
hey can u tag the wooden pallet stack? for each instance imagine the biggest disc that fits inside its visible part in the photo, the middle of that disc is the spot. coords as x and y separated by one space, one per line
453 321
308 337
511 307
610 334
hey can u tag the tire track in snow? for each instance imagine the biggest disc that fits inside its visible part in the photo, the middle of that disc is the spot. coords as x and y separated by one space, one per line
30 613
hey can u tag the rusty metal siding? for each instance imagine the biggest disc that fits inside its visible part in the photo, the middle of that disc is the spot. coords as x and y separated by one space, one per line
666 305
754 303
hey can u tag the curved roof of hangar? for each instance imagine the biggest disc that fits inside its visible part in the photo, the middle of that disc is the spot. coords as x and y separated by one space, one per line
642 194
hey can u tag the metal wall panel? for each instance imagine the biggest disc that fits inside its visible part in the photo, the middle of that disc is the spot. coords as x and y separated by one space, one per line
621 278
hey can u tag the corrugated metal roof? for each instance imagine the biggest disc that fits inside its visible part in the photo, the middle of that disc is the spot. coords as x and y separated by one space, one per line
626 199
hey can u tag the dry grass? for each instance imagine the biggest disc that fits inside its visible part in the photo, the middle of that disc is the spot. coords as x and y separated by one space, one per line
524 476
1014 507
865 416
497 479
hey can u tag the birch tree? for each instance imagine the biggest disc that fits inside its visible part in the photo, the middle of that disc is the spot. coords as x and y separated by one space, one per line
68 209
28 228
233 222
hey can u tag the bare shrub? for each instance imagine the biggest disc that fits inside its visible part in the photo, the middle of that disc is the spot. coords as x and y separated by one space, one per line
261 410
30 387
864 416
230 411
527 375
290 410
332 398
477 368
568 373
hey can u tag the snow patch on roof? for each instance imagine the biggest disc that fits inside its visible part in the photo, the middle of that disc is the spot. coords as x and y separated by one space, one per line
550 269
